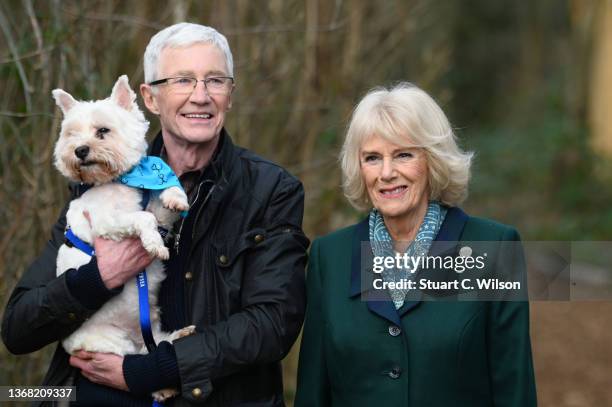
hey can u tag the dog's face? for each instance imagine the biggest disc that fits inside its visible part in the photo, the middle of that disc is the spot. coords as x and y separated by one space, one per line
100 140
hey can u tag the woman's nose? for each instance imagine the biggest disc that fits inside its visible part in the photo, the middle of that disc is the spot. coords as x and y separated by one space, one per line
387 171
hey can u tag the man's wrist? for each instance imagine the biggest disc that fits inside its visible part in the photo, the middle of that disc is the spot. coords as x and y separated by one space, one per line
157 370
110 280
87 286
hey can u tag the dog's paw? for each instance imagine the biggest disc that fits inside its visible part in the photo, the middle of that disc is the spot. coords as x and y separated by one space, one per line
174 199
162 253
154 244
157 251
188 330
181 333
164 394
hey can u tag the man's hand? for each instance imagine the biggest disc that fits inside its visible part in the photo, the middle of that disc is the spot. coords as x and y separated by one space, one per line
118 262
101 368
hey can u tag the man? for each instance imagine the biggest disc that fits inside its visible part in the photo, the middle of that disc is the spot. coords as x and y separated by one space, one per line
237 265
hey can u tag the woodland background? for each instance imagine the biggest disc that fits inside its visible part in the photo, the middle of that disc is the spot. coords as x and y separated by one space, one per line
526 84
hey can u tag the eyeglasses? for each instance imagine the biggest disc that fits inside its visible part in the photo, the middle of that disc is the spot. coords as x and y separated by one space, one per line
184 85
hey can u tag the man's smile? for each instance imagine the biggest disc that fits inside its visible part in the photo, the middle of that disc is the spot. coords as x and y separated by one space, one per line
198 117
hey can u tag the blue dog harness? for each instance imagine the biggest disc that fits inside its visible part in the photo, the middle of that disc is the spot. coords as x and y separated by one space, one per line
73 240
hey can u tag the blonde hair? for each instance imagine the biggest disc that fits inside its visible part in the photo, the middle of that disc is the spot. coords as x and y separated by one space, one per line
407 116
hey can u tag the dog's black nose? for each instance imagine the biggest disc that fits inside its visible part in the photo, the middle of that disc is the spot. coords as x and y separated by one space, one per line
81 152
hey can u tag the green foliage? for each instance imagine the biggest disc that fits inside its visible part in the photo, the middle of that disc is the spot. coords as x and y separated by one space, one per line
541 175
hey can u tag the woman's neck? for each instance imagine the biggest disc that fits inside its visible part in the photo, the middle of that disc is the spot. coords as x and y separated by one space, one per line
404 228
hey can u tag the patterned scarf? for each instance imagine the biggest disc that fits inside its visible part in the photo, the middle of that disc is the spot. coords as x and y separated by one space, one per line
382 245
150 173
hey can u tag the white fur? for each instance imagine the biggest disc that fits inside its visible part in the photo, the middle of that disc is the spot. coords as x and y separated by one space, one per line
115 213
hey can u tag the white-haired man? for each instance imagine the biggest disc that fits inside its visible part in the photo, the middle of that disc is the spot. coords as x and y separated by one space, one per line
237 265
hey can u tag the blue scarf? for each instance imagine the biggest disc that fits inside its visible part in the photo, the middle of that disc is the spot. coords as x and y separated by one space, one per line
150 173
382 245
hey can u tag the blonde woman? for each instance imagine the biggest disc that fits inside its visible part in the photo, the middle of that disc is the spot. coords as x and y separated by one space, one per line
402 165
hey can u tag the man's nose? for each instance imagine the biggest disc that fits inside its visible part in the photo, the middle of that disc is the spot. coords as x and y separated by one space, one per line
200 93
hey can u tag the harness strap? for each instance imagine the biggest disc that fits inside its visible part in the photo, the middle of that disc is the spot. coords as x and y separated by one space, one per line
143 295
73 240
143 303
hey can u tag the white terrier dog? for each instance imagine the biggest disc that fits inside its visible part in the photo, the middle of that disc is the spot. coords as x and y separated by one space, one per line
99 141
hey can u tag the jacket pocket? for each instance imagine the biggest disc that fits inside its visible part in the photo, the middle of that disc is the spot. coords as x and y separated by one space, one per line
230 250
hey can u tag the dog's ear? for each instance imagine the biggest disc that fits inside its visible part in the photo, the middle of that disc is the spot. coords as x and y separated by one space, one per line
64 100
122 94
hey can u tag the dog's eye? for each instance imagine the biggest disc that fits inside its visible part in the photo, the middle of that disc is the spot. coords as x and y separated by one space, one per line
101 132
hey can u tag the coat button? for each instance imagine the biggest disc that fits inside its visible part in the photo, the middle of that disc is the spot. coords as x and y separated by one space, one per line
394 330
258 238
223 259
188 276
196 392
72 316
395 373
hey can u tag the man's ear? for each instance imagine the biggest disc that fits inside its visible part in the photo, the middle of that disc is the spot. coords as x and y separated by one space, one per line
64 100
122 94
229 99
149 98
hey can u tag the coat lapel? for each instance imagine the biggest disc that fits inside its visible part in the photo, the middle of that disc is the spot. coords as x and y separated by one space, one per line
450 232
362 275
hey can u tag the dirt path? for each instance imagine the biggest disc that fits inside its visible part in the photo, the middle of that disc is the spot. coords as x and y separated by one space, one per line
572 346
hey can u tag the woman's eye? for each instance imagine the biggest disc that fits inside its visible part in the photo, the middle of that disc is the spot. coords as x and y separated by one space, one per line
405 155
370 158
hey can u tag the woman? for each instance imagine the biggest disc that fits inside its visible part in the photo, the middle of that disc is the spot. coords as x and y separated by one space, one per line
400 161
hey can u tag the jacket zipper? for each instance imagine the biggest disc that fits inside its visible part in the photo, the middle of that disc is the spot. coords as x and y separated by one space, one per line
177 238
194 226
195 221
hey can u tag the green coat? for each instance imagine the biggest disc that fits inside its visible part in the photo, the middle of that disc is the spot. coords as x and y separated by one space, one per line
438 354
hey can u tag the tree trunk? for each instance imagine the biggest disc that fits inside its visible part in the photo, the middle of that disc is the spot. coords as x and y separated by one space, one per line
601 85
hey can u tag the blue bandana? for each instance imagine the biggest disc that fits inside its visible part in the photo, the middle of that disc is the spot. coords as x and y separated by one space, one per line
150 173
382 245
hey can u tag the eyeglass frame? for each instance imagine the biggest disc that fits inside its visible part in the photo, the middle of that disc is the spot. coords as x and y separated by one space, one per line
165 80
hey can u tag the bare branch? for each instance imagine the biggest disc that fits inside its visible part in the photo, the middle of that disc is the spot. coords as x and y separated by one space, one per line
34 23
129 20
11 43
27 55
29 114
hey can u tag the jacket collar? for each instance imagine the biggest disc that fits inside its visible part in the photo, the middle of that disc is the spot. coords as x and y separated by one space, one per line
445 242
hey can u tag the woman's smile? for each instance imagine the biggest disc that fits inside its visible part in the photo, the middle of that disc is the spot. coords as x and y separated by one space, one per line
393 192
